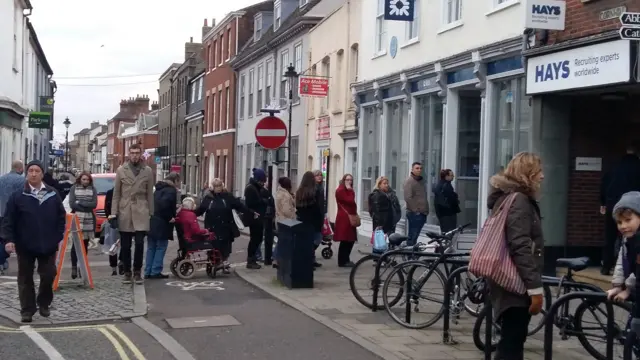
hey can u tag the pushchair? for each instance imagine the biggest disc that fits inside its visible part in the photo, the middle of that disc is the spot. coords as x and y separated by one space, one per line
327 241
195 255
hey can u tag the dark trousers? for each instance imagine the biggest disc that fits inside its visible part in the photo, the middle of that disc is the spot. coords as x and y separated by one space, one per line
126 238
74 256
610 237
344 252
448 222
514 325
113 260
268 240
256 230
29 303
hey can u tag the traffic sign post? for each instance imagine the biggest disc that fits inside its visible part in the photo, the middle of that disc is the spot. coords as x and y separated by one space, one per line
271 132
630 29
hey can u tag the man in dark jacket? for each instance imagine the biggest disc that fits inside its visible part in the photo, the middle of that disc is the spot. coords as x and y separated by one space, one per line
254 200
624 178
34 236
269 224
162 220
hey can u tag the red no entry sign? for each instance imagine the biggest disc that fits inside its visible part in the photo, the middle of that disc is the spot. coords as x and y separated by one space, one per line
271 132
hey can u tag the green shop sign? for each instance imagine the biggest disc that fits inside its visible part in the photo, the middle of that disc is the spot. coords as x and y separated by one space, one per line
39 120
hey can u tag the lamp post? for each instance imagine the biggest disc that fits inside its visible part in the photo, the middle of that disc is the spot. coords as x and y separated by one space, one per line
66 139
291 76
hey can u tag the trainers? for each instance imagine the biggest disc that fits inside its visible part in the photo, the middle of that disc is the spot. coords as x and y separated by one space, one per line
44 311
137 278
127 278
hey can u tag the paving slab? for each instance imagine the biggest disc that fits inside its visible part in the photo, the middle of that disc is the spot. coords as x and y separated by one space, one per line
203 321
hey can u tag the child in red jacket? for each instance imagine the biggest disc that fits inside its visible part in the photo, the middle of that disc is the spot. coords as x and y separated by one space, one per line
188 221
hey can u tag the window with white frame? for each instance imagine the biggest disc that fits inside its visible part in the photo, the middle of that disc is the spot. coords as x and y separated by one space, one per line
512 122
251 80
200 84
277 9
193 92
257 27
370 152
228 112
215 54
260 86
242 90
220 107
468 158
226 170
213 112
452 11
295 148
229 44
297 63
413 27
284 83
15 38
397 151
248 160
381 28
326 72
238 170
221 48
267 91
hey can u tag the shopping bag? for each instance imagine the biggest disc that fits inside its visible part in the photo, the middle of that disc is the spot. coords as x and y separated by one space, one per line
490 256
326 228
237 220
379 241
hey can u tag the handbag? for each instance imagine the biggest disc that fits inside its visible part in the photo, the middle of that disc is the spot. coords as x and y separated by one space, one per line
354 219
237 220
379 241
490 256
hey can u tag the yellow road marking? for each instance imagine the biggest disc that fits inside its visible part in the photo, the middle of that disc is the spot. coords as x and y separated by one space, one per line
115 343
125 339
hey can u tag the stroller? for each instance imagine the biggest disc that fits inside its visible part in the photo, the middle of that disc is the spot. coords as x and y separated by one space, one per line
193 256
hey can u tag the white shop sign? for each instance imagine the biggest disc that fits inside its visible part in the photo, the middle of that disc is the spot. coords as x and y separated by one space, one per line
588 164
545 14
600 64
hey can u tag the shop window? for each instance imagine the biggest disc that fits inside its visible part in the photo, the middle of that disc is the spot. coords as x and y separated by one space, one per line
513 111
468 159
397 152
370 151
429 145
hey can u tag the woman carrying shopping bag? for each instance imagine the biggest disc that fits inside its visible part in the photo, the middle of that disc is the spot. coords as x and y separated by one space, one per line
508 251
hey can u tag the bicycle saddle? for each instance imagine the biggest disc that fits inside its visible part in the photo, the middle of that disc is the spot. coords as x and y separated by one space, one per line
575 264
396 239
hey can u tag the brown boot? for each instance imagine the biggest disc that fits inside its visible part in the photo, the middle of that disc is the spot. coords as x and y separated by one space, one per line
137 278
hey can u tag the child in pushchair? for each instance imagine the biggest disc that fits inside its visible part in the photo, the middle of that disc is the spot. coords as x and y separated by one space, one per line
197 247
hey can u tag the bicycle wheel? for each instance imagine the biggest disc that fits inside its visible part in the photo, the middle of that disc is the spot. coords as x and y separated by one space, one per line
460 299
368 263
631 346
479 331
420 279
589 336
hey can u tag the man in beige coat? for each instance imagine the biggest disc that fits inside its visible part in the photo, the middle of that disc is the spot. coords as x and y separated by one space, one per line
133 206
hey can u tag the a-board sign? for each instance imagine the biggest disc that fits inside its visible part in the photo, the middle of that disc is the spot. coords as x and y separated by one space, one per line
74 232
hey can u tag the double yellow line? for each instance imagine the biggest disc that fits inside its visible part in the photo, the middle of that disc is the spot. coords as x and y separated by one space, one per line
110 331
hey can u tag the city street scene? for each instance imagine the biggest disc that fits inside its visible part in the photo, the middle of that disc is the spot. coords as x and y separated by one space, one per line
320 180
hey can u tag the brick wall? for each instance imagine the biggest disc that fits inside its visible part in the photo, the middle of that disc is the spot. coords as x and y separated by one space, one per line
598 129
583 19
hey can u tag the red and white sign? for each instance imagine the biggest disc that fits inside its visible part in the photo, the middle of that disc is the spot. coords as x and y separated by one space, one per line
271 132
176 169
313 86
323 128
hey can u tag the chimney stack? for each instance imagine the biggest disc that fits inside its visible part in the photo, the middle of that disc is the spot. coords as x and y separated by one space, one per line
155 106
206 28
142 104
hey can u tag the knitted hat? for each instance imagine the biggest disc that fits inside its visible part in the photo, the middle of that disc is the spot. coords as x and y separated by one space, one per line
630 200
259 174
35 163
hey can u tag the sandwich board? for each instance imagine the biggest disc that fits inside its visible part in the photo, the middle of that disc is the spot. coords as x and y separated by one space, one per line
74 232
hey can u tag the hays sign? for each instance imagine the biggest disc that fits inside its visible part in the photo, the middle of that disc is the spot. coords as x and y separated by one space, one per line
545 14
600 64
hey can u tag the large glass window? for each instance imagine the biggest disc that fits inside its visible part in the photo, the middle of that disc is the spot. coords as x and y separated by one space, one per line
468 158
429 145
513 111
370 150
397 152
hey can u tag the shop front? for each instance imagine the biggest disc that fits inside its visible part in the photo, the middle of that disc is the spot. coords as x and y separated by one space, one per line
585 100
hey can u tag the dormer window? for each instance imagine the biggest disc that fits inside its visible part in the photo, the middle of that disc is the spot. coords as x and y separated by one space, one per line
277 10
257 27
303 2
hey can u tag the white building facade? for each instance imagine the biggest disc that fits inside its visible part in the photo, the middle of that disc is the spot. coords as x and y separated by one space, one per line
446 90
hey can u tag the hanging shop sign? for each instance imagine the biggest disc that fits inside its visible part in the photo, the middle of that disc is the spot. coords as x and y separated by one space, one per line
46 104
545 14
398 10
587 66
311 86
630 29
323 128
39 120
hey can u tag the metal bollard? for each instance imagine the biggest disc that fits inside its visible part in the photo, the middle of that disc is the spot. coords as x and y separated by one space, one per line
448 288
488 328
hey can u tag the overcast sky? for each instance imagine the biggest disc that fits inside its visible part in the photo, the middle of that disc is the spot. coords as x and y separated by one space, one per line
83 39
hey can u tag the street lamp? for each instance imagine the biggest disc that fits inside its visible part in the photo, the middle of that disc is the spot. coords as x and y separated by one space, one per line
66 139
291 76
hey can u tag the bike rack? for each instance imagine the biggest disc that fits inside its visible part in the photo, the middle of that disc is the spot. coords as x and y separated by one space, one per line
448 287
550 317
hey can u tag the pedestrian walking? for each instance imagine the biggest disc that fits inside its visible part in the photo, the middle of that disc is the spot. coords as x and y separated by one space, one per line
317 240
446 202
10 183
257 204
162 224
83 199
112 236
133 206
417 203
384 206
218 206
347 220
521 179
310 208
285 208
33 226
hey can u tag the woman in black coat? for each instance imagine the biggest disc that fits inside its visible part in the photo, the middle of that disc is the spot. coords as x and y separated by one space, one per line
162 223
446 201
310 207
217 207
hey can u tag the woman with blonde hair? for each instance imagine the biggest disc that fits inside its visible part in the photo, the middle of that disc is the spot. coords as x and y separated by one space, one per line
384 206
519 183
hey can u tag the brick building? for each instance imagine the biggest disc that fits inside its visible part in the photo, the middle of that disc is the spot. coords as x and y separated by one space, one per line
143 131
222 42
583 83
128 114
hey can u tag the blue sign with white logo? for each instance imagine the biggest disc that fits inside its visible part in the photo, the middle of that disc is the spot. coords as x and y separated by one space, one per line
393 47
545 14
57 152
398 10
158 160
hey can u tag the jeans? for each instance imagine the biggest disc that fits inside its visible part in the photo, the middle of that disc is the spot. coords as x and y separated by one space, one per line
29 302
513 334
416 222
126 240
155 256
256 230
317 240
